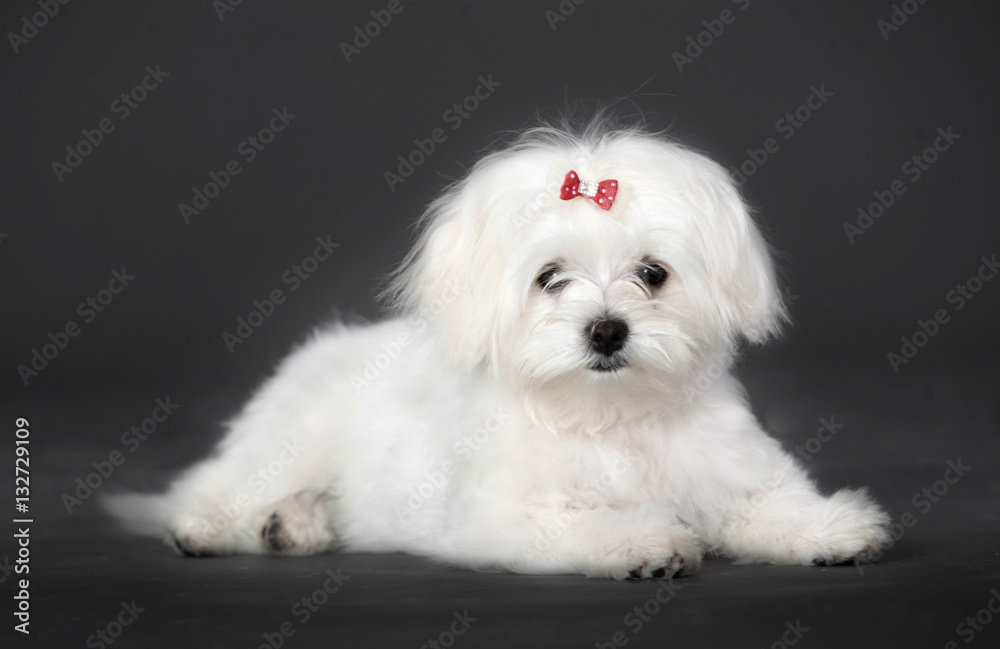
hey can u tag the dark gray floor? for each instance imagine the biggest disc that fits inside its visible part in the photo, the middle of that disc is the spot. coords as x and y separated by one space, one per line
898 437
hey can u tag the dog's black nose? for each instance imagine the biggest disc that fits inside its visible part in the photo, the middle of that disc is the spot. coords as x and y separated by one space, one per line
607 335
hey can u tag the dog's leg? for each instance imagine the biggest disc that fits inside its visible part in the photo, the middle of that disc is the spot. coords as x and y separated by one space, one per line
295 525
224 506
787 521
298 524
634 543
209 510
269 487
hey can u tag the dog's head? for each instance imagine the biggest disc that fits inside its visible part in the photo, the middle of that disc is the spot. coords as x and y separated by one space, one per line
599 313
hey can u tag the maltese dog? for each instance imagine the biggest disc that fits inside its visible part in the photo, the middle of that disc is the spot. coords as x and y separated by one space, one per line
553 397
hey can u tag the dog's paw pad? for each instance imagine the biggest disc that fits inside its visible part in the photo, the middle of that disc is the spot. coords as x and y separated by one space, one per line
185 546
870 554
847 556
274 535
183 549
674 566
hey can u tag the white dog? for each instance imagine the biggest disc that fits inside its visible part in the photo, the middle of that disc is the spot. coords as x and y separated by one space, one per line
543 403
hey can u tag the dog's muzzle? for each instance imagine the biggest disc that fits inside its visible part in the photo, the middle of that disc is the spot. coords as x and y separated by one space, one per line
607 336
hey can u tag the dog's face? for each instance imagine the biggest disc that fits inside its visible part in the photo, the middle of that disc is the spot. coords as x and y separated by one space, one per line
593 312
605 310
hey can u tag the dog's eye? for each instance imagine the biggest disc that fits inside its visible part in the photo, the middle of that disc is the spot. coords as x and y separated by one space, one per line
547 280
653 275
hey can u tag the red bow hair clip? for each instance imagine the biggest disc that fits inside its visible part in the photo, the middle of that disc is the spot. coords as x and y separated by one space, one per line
609 195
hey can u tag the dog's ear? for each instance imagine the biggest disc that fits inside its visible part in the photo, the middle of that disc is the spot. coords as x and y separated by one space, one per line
742 272
446 280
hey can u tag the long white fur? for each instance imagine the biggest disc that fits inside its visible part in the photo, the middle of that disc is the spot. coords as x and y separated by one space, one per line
470 429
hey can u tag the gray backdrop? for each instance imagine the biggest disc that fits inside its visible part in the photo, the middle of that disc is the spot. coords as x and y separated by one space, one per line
278 122
213 78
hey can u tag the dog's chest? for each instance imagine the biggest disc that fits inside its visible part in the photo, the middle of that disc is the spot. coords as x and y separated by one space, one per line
581 471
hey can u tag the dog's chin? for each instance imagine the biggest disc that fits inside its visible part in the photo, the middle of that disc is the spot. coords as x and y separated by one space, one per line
608 366
594 396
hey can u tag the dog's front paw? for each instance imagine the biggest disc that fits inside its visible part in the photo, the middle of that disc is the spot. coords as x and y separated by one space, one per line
673 566
843 556
297 525
855 530
676 553
192 537
274 535
189 546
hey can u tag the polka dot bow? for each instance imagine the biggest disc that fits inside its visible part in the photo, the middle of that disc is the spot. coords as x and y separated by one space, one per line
603 193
